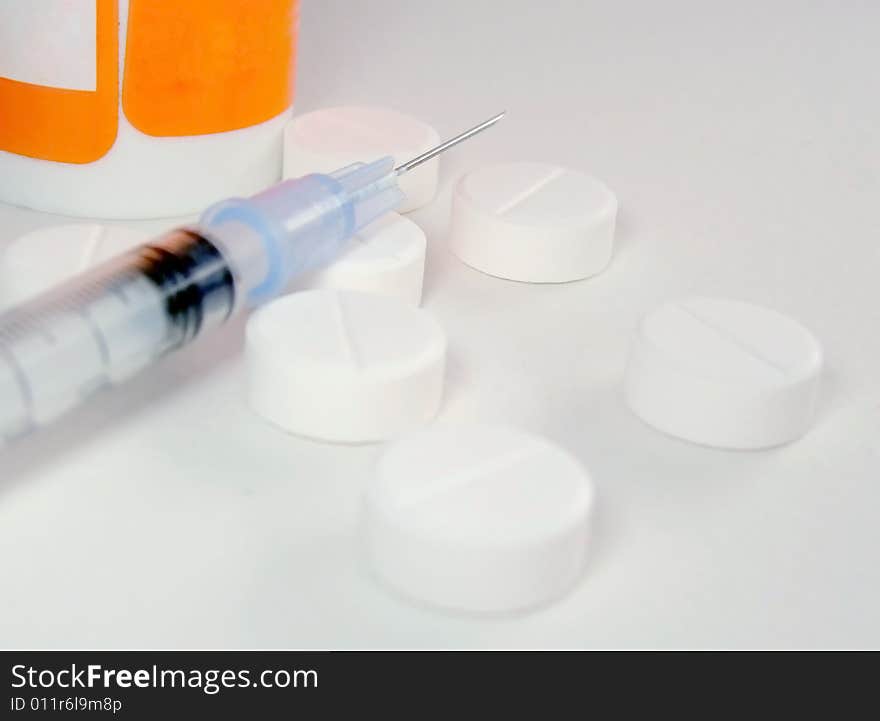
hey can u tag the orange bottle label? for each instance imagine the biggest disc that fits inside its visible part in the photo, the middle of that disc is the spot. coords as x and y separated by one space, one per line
64 124
207 66
192 67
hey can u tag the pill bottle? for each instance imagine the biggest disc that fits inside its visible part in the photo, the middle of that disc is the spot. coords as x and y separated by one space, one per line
142 108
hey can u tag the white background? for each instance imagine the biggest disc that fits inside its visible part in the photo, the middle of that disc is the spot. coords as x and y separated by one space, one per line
742 140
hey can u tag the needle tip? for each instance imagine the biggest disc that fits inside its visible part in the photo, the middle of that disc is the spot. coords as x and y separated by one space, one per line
433 152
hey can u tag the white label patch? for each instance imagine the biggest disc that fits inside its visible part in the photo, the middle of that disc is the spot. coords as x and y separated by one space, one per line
49 42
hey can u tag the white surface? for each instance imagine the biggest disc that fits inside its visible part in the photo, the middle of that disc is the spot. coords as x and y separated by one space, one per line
533 222
149 177
482 519
724 373
742 143
344 366
328 139
50 43
37 261
387 257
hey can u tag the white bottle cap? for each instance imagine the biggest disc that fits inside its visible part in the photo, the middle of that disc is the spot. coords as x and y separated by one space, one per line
387 257
533 222
724 373
344 366
326 140
38 261
478 518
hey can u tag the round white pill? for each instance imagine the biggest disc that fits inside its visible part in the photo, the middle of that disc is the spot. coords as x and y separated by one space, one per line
533 222
478 518
724 373
326 140
37 261
387 257
344 366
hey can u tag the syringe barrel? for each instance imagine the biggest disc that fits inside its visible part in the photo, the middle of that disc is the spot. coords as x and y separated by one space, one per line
103 326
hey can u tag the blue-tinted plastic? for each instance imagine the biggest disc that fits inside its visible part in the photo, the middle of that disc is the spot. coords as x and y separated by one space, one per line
303 223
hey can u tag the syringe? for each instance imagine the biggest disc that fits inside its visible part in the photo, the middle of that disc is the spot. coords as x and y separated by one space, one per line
105 325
